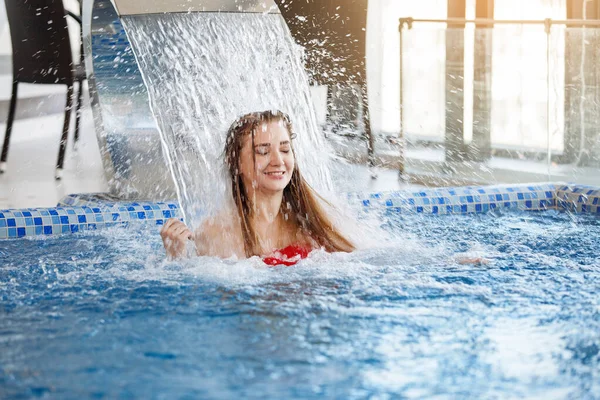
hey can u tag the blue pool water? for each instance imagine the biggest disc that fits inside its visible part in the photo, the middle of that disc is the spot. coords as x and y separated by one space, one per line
104 315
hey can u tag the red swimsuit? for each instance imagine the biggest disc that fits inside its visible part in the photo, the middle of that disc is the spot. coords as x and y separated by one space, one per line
287 256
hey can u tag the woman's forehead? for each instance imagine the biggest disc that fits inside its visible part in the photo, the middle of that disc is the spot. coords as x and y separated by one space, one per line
272 130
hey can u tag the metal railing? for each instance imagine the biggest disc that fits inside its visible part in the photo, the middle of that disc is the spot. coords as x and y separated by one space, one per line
408 21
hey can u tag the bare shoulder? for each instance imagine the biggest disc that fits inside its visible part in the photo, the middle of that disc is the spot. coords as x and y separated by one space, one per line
220 236
220 224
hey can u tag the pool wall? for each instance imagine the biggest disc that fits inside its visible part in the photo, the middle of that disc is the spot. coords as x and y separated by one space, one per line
80 212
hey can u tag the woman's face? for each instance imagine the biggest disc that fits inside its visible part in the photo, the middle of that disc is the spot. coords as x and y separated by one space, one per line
274 158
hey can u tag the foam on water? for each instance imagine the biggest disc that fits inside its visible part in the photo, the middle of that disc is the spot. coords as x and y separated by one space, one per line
140 257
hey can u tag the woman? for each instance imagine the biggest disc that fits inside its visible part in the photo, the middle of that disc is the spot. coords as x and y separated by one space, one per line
279 216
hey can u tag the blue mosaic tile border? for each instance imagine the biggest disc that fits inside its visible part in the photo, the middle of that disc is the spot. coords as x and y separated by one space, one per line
579 198
18 223
462 200
77 213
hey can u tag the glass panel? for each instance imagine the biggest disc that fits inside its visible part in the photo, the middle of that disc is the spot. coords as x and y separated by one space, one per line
556 90
382 33
423 80
508 104
519 87
580 156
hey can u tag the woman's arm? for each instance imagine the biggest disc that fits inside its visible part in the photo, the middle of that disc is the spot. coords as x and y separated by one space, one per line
216 237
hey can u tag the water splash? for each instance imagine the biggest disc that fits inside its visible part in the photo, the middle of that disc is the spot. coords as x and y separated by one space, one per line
203 70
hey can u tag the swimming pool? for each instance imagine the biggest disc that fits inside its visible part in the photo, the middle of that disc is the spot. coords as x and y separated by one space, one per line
101 314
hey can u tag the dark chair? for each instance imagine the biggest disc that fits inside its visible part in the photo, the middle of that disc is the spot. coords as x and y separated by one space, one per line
41 53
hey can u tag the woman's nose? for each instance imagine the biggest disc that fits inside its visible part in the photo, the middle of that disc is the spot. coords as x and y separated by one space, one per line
276 157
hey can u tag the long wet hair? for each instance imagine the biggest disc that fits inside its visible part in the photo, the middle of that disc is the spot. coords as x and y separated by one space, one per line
300 202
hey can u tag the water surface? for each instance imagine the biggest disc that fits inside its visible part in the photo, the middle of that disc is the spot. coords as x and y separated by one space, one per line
104 315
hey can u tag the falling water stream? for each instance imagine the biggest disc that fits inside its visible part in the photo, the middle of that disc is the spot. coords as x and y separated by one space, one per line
203 70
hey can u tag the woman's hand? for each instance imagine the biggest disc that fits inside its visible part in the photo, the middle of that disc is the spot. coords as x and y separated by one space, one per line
175 235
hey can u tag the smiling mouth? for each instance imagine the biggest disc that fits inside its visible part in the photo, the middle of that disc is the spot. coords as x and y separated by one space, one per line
276 173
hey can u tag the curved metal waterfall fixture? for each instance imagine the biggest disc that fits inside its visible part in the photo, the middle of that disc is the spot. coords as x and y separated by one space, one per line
137 7
128 137
127 131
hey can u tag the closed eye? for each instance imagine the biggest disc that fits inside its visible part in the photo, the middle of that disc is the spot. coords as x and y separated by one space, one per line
285 146
262 149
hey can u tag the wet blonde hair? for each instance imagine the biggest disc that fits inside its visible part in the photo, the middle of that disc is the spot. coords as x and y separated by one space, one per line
301 204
